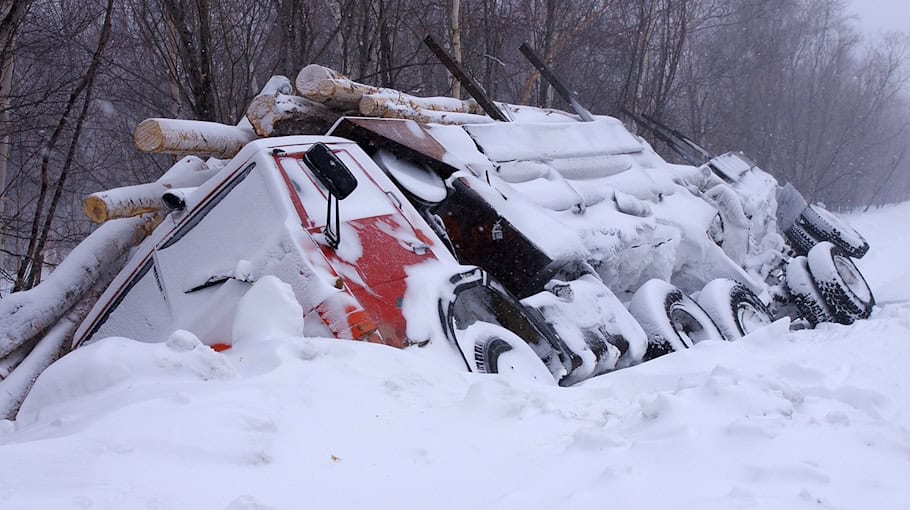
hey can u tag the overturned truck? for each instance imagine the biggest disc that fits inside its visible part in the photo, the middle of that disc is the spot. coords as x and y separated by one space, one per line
502 238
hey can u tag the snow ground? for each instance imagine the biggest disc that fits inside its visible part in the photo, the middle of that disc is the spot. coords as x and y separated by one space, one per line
778 420
886 266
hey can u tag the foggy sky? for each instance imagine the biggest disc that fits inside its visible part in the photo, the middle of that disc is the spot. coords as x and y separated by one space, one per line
878 15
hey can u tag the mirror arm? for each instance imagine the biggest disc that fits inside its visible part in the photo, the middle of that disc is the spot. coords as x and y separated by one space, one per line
332 230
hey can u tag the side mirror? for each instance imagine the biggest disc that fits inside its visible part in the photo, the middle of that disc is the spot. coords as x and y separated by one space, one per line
331 171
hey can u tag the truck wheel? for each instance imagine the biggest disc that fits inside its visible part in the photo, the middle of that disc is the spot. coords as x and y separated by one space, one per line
592 322
671 319
809 301
799 239
824 226
478 310
842 286
734 308
499 351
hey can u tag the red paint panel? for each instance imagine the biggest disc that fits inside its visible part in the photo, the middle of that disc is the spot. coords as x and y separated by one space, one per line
390 244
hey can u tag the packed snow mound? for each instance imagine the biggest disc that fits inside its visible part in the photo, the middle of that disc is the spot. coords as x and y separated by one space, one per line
885 266
119 369
778 420
268 310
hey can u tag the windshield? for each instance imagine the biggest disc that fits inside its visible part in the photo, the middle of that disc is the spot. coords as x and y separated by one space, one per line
367 199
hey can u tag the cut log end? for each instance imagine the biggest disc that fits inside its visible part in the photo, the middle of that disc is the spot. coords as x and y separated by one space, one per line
95 209
149 137
124 202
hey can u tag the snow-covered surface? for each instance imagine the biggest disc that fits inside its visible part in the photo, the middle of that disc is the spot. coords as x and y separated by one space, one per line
886 266
25 314
594 191
778 420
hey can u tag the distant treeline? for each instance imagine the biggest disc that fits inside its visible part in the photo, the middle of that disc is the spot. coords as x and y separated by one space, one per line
792 83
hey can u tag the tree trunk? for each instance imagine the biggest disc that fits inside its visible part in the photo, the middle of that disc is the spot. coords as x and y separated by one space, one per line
194 54
6 84
456 44
29 271
11 15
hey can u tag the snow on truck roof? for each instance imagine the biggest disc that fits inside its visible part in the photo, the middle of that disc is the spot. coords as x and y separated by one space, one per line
292 141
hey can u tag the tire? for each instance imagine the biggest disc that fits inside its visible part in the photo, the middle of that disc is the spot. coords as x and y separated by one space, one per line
824 226
671 320
478 300
842 286
808 299
799 239
592 322
734 308
499 351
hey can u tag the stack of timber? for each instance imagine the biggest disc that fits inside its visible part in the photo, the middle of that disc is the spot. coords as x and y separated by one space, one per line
316 100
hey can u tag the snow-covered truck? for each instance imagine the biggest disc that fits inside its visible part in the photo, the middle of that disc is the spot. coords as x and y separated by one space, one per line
545 246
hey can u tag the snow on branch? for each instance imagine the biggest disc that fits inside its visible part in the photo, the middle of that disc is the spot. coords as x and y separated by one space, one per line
26 314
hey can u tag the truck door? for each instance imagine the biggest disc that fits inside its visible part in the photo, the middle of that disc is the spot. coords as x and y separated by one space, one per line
377 242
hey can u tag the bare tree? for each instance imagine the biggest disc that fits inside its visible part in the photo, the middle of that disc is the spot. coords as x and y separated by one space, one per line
31 265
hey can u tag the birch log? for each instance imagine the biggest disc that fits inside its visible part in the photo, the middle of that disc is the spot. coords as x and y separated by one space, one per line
124 202
53 344
16 385
277 85
374 105
23 315
379 106
281 115
328 87
145 198
186 137
339 94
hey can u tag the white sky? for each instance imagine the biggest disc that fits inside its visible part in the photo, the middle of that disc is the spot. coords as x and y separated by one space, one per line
877 15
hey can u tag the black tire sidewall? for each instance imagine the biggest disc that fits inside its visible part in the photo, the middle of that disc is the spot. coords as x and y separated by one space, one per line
805 293
845 305
724 310
824 226
657 322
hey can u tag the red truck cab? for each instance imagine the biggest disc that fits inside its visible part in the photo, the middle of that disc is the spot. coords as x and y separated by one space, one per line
267 212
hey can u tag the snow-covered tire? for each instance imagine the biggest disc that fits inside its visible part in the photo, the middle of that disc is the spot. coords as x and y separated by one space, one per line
824 226
808 299
671 319
840 283
593 323
799 239
476 299
499 351
734 308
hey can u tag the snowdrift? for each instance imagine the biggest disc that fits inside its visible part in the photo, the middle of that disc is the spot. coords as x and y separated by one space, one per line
805 419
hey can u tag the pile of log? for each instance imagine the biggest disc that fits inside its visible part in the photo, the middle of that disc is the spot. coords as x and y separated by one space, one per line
316 100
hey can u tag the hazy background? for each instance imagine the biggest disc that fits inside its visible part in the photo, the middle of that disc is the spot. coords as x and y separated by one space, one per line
879 15
813 90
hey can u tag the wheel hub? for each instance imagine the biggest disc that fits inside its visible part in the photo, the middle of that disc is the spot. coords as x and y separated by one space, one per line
686 326
850 275
750 318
